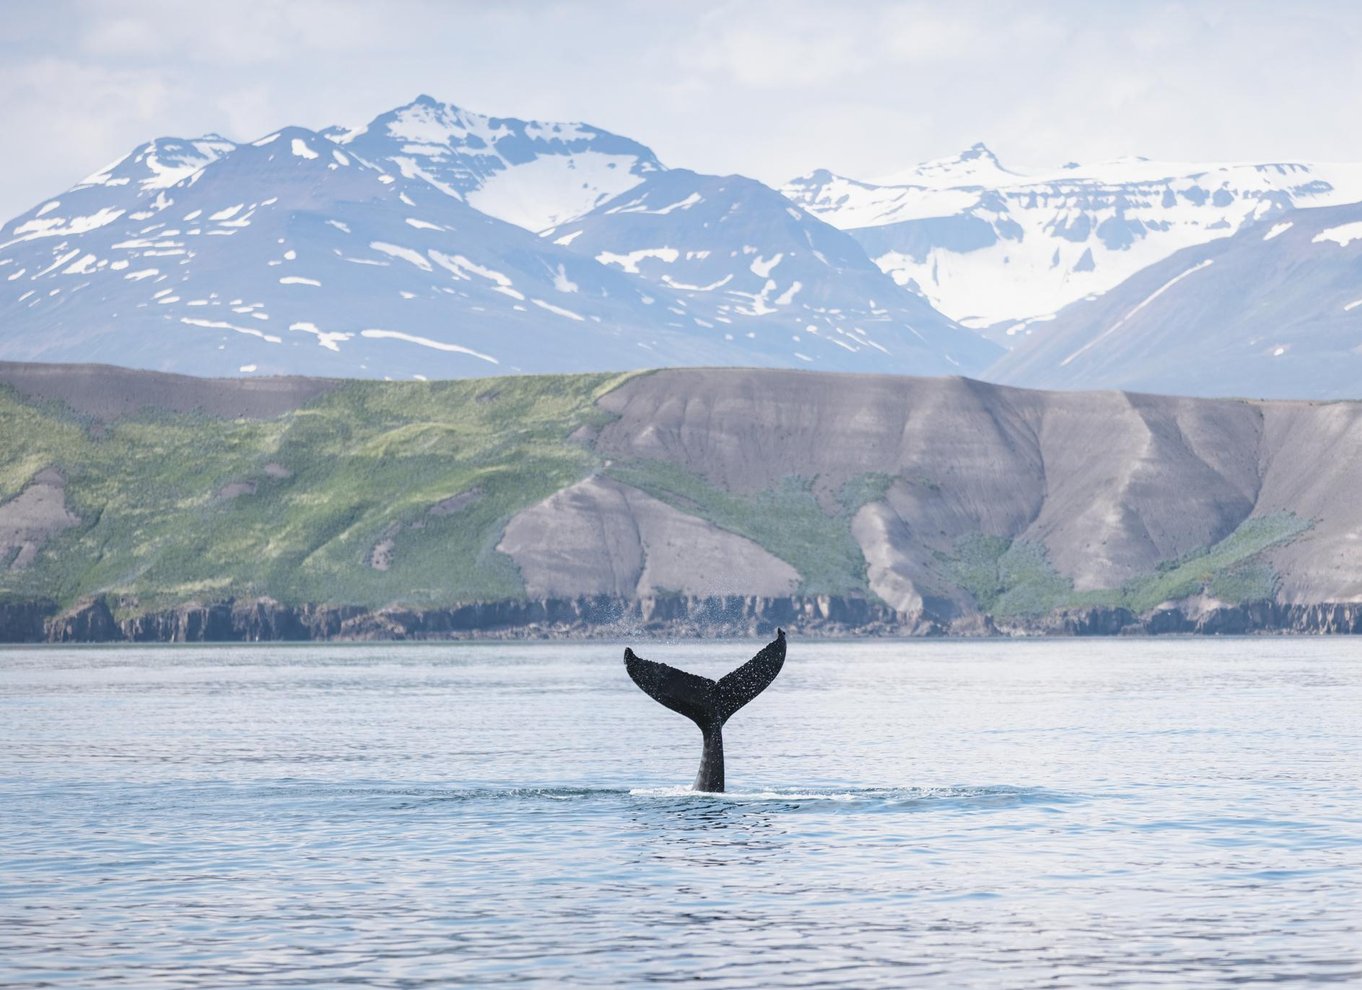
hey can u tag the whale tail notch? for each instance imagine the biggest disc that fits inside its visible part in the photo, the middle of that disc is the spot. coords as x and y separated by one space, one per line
708 703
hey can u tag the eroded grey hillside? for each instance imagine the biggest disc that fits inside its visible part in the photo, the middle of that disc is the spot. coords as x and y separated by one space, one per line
973 498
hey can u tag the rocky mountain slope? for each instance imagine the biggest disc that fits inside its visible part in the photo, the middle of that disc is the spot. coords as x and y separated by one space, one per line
410 248
910 505
739 259
998 249
1273 311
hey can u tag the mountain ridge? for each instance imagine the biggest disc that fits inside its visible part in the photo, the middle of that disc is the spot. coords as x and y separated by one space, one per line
1276 306
434 241
1008 253
297 254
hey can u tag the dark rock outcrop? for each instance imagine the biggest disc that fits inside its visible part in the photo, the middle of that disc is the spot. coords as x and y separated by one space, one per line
88 621
25 621
605 617
1084 622
251 620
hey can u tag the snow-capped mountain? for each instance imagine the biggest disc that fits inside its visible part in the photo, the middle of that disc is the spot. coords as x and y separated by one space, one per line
706 240
528 173
434 241
1273 311
995 248
296 254
119 189
159 164
737 257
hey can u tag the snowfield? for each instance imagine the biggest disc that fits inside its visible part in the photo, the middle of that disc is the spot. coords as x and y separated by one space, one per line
988 246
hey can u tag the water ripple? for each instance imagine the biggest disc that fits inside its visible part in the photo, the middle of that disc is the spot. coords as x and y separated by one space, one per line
317 818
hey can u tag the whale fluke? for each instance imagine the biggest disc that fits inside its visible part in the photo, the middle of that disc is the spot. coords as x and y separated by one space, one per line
707 703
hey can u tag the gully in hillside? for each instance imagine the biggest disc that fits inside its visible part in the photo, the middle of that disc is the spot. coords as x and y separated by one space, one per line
709 704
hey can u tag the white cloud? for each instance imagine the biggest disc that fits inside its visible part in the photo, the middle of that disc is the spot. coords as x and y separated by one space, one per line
64 119
245 32
774 45
767 88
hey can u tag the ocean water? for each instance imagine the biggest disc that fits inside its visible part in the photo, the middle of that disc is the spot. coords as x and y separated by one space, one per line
987 814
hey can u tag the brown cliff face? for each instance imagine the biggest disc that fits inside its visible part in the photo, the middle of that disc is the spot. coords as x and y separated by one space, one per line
33 517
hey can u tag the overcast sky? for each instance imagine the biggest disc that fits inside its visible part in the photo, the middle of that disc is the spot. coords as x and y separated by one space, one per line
768 89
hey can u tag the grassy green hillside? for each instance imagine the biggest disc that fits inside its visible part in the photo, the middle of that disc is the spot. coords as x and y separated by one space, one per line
1014 579
174 507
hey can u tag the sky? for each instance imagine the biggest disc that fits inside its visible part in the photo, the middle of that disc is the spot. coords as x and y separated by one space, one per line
766 88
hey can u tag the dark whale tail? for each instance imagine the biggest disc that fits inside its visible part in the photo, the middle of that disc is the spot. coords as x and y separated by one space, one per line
707 703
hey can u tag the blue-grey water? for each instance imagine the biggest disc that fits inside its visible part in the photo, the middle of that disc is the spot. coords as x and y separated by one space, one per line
985 814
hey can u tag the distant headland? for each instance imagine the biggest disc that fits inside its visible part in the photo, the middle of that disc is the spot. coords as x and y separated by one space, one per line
711 502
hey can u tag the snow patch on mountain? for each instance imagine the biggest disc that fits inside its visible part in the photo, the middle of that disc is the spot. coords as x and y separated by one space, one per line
1342 235
435 345
162 163
629 262
533 174
1138 306
996 248
61 226
550 190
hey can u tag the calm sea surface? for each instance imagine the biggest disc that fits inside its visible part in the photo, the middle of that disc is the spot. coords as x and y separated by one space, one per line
988 814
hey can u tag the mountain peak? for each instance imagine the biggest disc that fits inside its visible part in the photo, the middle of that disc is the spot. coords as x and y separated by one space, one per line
161 162
976 166
290 132
534 174
980 152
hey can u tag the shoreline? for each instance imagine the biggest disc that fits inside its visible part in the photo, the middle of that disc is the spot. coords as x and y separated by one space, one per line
97 620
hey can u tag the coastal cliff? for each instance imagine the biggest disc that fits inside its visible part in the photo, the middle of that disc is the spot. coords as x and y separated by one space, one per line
143 508
92 621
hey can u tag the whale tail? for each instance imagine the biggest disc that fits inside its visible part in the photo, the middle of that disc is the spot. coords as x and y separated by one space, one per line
708 703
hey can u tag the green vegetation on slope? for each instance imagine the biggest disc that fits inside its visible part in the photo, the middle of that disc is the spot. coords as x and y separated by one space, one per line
1227 569
787 521
175 507
1006 578
1011 579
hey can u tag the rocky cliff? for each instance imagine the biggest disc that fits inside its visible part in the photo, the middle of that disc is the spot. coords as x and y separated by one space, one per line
603 617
